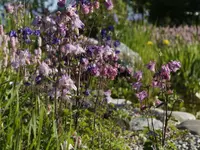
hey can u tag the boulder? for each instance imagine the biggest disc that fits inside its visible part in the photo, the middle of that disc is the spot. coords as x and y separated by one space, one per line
117 102
176 115
140 123
182 116
192 125
128 56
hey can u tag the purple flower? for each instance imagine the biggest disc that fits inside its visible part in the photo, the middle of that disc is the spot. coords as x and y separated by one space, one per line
27 31
13 33
55 41
27 83
110 28
142 95
151 66
174 65
44 69
38 79
107 93
66 82
109 4
116 43
84 61
37 32
61 3
137 85
103 33
165 68
117 52
165 72
77 23
138 75
116 18
9 8
94 70
87 92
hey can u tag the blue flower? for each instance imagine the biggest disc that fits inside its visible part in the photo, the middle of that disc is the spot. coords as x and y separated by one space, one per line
111 28
103 33
117 51
13 33
116 43
27 31
38 79
37 32
55 41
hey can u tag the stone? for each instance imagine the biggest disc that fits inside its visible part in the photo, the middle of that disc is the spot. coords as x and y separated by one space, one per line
140 123
182 116
128 56
192 125
117 102
177 115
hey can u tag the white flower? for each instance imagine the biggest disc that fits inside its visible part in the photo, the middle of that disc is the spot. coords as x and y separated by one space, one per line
44 69
67 83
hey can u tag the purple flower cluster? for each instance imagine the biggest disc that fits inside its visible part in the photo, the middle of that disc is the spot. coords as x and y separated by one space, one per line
59 59
160 79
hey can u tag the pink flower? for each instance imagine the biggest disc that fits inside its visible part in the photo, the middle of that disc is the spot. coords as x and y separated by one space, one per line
137 85
9 8
138 75
142 95
174 65
44 69
96 4
85 9
61 3
109 4
77 23
165 72
151 66
66 82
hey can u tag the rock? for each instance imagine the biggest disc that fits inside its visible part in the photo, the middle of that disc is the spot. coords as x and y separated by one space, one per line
182 116
128 56
192 125
198 115
140 123
118 102
177 115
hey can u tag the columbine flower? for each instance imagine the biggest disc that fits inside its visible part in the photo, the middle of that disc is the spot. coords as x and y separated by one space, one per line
116 43
67 83
84 61
109 4
44 69
13 33
61 3
165 72
77 23
137 85
96 4
9 8
85 9
174 65
142 95
151 66
138 75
